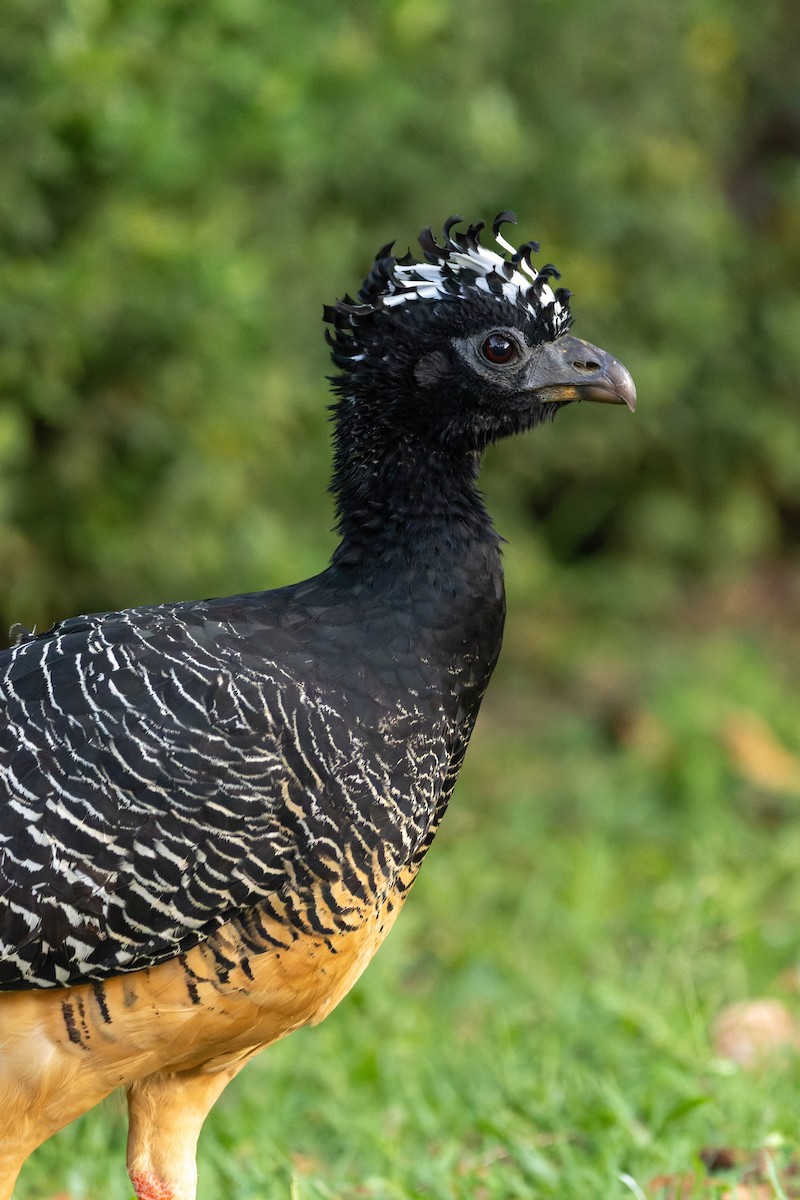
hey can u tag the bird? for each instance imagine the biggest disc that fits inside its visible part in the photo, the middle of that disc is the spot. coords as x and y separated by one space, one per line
212 812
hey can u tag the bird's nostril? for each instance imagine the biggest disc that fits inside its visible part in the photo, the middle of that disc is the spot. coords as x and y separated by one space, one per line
590 365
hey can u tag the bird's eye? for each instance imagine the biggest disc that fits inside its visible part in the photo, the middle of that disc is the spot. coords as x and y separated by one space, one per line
499 349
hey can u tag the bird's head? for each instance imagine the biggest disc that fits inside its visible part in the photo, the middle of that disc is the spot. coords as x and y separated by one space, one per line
462 347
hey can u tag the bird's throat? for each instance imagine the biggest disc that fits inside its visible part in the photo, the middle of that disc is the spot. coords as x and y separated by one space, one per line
413 506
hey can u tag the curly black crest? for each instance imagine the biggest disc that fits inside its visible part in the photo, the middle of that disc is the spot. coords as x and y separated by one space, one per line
457 269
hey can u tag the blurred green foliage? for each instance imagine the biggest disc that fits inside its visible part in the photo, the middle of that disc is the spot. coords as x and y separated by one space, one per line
183 184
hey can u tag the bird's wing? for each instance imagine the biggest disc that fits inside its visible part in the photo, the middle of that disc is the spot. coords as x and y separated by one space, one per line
159 772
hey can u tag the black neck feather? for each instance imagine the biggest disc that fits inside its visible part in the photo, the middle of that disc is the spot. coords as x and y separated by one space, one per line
404 501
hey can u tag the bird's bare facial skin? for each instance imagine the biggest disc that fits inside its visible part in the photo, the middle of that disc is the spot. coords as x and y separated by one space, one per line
556 372
500 354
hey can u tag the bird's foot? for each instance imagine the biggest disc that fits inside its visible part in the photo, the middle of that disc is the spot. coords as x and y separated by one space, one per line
149 1187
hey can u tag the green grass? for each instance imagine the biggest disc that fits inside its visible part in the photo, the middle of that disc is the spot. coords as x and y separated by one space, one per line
538 1022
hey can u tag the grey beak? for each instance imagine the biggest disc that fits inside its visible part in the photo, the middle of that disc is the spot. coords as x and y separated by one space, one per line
571 369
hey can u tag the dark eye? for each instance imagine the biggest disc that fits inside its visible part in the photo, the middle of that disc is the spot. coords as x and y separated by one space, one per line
499 349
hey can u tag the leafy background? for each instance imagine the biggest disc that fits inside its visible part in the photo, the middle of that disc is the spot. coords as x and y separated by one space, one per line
183 185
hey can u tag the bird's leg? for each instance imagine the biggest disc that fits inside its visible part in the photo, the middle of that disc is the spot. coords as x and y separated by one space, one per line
165 1114
10 1164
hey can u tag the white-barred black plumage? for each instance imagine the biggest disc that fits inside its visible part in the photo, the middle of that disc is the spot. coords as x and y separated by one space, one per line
162 774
